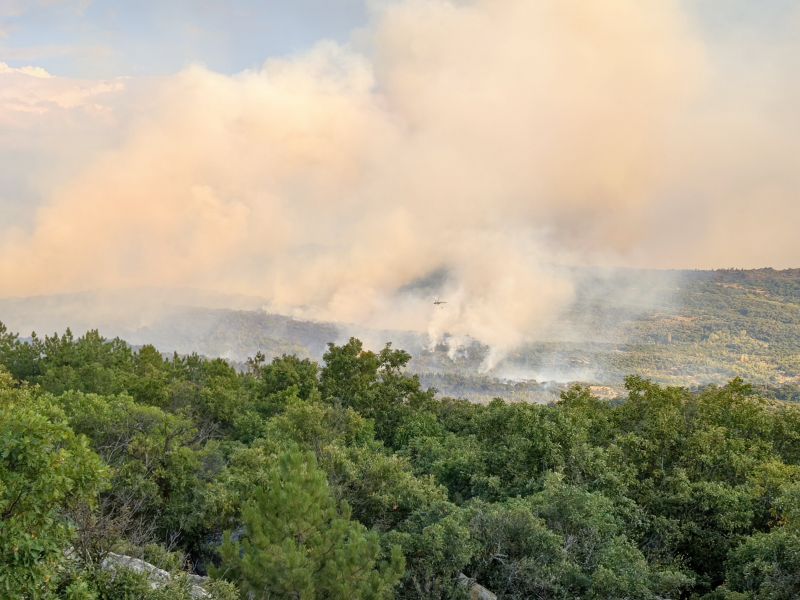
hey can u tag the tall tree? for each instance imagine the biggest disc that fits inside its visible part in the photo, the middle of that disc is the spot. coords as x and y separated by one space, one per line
297 543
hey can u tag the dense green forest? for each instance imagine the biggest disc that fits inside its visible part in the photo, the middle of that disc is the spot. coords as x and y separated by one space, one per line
348 479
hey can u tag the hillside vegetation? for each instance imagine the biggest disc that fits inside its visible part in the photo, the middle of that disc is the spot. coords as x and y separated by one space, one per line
723 324
348 479
688 328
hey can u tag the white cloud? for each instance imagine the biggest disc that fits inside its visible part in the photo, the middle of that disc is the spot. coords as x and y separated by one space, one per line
29 71
33 90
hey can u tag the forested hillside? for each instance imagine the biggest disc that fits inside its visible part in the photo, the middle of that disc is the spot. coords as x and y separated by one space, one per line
348 479
687 328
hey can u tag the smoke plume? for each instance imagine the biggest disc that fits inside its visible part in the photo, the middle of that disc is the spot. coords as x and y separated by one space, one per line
487 143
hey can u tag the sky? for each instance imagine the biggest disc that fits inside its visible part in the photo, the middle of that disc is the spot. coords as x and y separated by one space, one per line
331 156
109 38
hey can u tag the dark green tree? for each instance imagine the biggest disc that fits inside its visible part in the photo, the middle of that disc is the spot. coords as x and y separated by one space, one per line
298 543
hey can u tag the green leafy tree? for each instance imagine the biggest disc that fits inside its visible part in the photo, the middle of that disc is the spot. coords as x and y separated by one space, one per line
158 477
766 565
438 545
289 371
565 542
44 469
375 385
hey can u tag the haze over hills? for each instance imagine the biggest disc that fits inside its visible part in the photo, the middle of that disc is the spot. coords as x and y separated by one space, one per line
510 137
351 179
676 327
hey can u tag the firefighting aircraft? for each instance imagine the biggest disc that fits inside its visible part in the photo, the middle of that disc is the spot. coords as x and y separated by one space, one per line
437 302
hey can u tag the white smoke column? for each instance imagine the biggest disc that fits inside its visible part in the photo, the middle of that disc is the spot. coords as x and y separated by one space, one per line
487 140
501 292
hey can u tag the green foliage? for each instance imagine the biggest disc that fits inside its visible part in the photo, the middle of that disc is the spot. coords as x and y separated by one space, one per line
298 543
327 477
288 372
373 384
564 542
125 584
160 468
44 469
438 545
155 554
767 565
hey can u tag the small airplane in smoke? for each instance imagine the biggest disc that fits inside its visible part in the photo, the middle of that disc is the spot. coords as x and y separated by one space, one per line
437 302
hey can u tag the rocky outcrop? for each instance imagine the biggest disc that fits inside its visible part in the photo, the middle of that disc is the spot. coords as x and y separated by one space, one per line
157 577
476 590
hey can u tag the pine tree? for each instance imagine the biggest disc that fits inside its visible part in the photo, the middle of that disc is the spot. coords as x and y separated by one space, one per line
297 543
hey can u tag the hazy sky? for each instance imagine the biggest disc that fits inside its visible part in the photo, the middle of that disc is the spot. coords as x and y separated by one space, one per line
328 155
107 38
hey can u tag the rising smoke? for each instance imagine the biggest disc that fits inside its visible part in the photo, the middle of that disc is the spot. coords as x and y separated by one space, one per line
490 142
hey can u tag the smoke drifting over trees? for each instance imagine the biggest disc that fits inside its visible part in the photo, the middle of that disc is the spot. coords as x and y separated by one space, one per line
489 142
